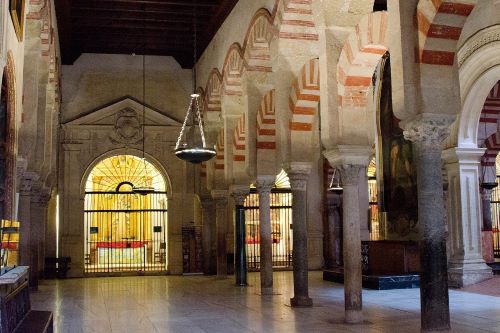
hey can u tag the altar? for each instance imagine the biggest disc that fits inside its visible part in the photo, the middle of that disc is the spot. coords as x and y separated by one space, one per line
122 252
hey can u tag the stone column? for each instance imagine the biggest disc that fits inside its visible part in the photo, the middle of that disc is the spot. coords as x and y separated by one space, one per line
298 173
466 265
240 256
264 185
350 174
333 231
38 220
208 220
427 133
487 230
220 197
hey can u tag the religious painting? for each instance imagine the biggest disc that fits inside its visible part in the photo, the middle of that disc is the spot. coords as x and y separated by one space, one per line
399 181
16 9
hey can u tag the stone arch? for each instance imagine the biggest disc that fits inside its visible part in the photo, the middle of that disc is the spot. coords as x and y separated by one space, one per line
239 144
256 46
219 157
359 57
126 151
266 123
232 70
440 25
492 145
294 20
9 78
213 94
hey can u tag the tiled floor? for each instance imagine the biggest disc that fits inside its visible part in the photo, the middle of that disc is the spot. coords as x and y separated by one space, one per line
202 304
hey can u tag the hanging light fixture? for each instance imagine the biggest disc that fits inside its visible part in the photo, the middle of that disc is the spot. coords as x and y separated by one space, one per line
144 189
335 183
189 148
488 173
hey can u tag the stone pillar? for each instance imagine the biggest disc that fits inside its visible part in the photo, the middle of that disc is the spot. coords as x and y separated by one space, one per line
220 197
264 185
38 221
208 236
240 256
427 133
333 234
364 204
351 180
466 265
298 173
487 230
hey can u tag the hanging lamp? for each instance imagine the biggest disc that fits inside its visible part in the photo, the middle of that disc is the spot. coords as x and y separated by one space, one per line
335 183
188 147
143 190
488 173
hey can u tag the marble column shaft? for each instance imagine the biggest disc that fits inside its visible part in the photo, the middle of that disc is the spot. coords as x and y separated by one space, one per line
487 227
221 221
352 242
208 236
240 243
264 186
427 136
298 181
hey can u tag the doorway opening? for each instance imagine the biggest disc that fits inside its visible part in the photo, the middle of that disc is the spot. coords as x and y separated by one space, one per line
125 231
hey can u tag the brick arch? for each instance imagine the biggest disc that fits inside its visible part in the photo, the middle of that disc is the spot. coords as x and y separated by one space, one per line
359 57
492 145
256 46
232 70
219 157
440 24
213 93
304 97
10 156
266 123
488 126
294 20
239 142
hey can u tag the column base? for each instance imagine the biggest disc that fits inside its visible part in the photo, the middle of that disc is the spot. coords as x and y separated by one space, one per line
301 302
442 330
462 273
353 316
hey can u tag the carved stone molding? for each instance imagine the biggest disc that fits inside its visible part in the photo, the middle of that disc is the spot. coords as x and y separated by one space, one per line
350 174
474 43
127 128
428 131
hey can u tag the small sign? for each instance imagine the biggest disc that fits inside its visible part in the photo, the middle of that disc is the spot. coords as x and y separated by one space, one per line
94 230
157 228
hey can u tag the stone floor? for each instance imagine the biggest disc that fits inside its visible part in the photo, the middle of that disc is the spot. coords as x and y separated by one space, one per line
202 304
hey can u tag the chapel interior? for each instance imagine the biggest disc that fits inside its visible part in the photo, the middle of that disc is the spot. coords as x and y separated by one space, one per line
249 166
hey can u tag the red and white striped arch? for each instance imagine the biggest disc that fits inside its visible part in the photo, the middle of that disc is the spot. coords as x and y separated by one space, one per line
304 97
219 157
239 141
359 57
232 71
266 123
257 54
294 20
489 126
440 24
213 93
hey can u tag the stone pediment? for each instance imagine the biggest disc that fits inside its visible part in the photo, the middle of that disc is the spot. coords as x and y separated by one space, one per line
117 112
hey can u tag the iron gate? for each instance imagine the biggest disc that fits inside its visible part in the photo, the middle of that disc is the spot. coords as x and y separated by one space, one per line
495 219
125 232
281 229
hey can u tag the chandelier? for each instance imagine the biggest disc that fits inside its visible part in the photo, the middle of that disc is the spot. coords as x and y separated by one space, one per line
192 146
335 183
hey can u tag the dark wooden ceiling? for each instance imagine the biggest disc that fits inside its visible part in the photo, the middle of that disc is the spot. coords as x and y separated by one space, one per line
153 27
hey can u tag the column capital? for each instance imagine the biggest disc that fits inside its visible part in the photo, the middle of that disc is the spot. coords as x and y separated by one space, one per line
298 173
348 155
350 173
220 197
28 179
264 184
239 194
428 131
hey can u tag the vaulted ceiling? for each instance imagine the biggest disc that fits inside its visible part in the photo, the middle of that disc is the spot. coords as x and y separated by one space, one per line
153 27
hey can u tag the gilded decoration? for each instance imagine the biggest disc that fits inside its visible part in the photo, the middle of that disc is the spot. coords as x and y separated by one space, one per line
16 9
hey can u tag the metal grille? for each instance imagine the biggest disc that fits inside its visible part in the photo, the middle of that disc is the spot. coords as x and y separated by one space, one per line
373 209
495 219
125 232
281 229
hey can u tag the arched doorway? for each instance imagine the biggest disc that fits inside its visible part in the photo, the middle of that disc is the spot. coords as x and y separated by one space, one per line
125 231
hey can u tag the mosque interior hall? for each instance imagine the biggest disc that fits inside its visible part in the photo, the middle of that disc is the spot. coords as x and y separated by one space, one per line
249 166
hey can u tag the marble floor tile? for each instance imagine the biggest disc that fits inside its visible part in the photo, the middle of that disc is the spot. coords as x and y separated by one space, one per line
198 304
